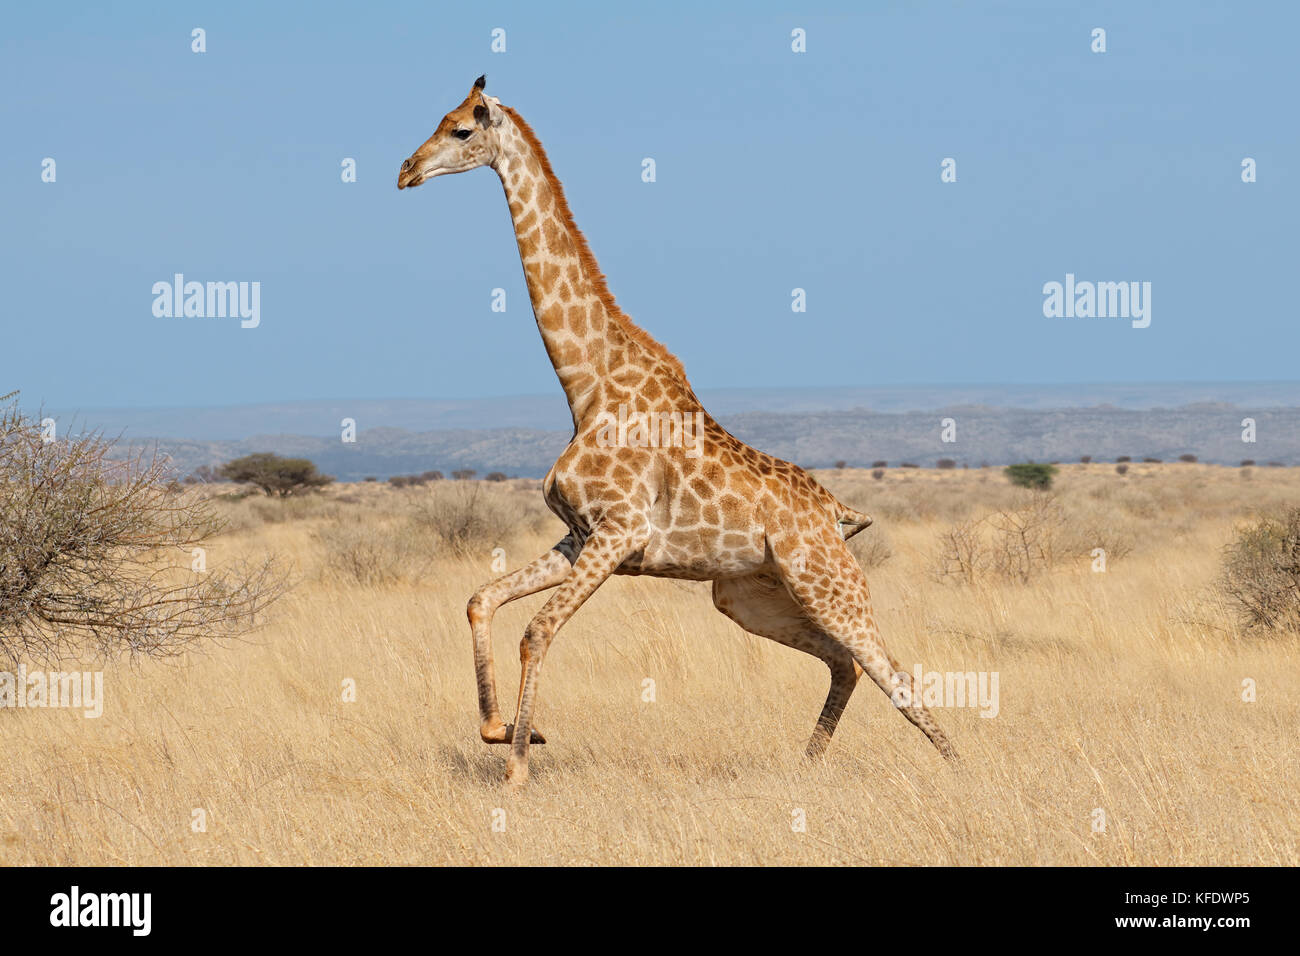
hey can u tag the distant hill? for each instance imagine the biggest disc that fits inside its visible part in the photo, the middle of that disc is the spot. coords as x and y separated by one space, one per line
550 413
984 434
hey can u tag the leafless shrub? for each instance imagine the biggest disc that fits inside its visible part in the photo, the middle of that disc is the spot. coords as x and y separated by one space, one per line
472 516
963 553
364 554
96 554
1025 540
1011 544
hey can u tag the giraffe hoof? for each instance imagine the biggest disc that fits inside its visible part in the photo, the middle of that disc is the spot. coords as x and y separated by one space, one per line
534 736
516 777
505 733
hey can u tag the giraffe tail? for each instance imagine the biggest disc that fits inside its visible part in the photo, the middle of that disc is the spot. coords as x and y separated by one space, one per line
851 522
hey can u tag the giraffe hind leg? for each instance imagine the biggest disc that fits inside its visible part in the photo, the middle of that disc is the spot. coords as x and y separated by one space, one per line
761 605
827 583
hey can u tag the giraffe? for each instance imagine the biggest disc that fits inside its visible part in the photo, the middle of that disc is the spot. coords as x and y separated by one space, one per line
705 507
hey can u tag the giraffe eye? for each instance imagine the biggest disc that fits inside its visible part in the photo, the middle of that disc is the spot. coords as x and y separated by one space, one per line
463 133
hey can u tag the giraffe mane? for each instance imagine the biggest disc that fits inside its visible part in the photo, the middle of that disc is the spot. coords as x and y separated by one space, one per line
587 260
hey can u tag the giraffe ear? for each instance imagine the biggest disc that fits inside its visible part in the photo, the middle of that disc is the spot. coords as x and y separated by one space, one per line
488 112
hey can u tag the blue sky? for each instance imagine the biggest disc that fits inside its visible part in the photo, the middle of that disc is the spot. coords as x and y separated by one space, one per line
775 170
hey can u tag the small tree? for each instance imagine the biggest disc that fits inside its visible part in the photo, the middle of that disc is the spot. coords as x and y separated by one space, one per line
841 464
1121 468
1124 458
495 476
1188 458
275 475
877 473
880 464
1085 459
1247 462
1031 475
431 475
463 474
945 463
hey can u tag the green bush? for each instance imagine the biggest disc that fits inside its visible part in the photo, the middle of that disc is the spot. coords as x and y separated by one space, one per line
1030 475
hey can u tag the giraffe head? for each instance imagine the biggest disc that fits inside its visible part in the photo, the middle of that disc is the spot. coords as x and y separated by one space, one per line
467 137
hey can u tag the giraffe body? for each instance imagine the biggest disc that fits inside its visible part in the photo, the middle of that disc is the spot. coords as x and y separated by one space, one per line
686 500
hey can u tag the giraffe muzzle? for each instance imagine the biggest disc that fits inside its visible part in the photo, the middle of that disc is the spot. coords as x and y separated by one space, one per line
407 176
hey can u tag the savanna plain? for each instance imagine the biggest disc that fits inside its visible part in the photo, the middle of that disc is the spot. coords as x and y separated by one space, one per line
1139 720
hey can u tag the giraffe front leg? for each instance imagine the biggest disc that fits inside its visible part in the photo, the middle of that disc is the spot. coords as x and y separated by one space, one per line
609 544
545 572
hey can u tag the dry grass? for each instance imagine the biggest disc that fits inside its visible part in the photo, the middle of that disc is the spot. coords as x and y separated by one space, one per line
1120 691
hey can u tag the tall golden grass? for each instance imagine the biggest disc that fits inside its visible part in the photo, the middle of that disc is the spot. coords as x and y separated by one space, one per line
1121 702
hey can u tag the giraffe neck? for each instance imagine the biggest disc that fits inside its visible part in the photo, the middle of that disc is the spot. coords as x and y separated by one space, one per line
587 337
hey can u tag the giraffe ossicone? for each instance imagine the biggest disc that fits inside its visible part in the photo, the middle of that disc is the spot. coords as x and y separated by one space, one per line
702 505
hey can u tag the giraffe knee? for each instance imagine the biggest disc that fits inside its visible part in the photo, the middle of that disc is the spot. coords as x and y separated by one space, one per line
475 610
537 636
480 609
